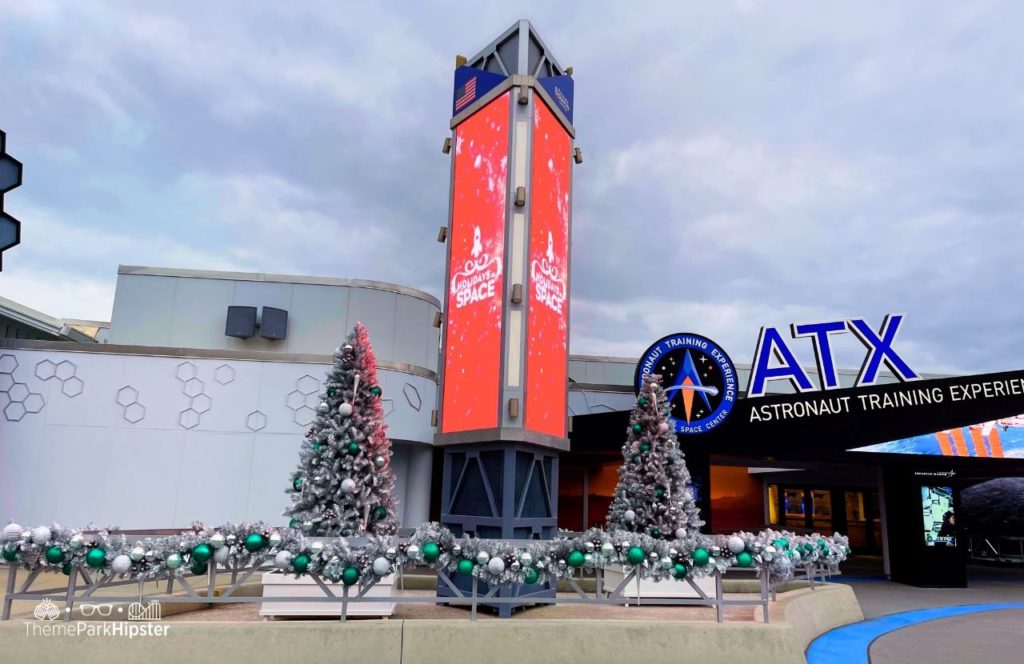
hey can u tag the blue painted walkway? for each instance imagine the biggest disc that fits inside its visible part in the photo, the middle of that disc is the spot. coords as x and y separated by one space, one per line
849 644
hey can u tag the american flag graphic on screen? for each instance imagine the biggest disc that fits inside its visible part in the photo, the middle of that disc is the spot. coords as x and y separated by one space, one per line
465 94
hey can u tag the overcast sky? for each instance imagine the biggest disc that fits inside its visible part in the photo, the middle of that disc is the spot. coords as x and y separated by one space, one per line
747 163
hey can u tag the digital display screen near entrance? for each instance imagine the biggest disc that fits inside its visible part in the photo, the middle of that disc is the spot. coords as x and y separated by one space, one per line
997 439
939 519
473 312
548 325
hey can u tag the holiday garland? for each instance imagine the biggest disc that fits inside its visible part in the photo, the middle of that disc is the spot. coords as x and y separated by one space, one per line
337 560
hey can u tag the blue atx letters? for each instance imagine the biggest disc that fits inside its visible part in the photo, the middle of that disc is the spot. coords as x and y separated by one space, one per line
770 344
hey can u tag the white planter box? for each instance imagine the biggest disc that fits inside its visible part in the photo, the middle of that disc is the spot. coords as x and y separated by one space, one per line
276 584
613 576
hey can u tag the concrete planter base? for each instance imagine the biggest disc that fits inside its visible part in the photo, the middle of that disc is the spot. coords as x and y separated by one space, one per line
276 584
613 576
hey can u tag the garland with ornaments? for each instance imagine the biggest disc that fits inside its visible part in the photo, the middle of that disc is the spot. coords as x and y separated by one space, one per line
495 562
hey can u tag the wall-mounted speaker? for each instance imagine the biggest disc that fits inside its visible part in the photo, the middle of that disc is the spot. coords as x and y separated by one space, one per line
241 322
274 324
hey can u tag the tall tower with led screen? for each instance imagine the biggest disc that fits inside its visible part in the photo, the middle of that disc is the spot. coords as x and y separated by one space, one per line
502 418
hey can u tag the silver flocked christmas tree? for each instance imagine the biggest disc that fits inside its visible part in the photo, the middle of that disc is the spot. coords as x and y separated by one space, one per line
653 495
343 483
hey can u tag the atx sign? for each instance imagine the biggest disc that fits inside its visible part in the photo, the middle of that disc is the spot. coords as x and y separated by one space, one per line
771 345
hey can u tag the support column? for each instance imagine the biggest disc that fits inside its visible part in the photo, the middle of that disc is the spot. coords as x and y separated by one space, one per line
417 484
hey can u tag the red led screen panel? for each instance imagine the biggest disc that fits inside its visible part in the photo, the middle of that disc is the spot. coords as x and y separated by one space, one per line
472 358
548 326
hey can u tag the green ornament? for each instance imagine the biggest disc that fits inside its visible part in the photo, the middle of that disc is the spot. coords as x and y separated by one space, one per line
431 551
575 559
531 575
199 568
744 559
349 576
10 555
659 493
846 550
637 428
380 513
465 566
300 562
254 542
331 391
641 401
353 448
635 555
781 543
655 532
376 391
316 447
297 483
645 447
293 523
54 555
634 458
96 557
202 553
822 544
701 557
679 570
66 569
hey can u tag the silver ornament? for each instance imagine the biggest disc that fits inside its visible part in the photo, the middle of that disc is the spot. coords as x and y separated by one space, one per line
589 546
482 557
121 564
588 559
736 544
11 533
220 556
316 548
41 535
607 549
230 540
137 553
412 551
391 553
76 542
345 409
496 565
307 526
348 485
666 562
174 561
283 559
274 540
526 558
216 540
629 516
322 407
379 461
150 556
680 533
381 566
515 566
456 550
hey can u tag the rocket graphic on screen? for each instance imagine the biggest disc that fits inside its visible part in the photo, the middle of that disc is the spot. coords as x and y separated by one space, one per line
551 248
478 246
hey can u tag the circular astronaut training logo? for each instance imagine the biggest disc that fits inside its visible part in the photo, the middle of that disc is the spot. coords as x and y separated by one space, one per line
698 377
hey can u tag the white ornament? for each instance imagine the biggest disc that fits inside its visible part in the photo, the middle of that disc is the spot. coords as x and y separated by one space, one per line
662 427
76 542
796 556
121 564
629 516
174 561
412 551
736 544
137 554
381 566
482 557
220 556
680 533
216 540
607 549
41 535
496 565
345 409
283 559
274 540
348 485
12 532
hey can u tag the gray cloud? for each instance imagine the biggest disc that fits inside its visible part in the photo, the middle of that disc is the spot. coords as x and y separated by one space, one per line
747 163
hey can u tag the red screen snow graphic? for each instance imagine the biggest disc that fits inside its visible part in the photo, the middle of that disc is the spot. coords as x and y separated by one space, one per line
548 327
473 313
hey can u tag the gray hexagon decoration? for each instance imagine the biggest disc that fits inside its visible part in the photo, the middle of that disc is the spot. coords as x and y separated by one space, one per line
188 418
303 415
256 421
45 369
14 411
224 374
185 371
193 387
412 395
388 405
131 410
6 382
64 370
201 403
18 392
295 399
127 395
8 363
134 412
34 402
4 400
72 387
307 384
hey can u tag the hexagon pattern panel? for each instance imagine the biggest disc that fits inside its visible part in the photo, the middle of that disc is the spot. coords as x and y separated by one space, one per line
16 399
195 389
